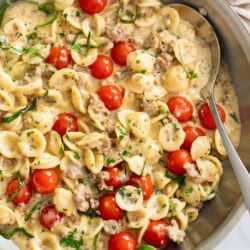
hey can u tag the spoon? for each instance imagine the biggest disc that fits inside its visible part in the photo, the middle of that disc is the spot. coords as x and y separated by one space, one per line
206 31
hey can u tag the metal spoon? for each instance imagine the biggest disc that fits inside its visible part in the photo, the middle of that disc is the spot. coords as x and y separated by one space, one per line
206 31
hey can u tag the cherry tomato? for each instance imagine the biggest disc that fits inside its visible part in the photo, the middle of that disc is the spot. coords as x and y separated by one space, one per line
145 182
19 192
65 122
122 241
191 134
120 52
60 57
111 95
92 6
156 234
181 108
49 216
206 118
102 68
44 181
177 160
115 179
108 208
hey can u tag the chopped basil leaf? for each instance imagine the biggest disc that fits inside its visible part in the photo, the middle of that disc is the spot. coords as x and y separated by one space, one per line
146 247
34 55
25 51
143 168
61 150
70 241
90 213
78 13
109 161
180 180
129 14
80 47
76 36
14 195
47 8
14 231
234 116
49 22
122 133
35 208
94 246
11 118
76 156
30 133
188 190
189 75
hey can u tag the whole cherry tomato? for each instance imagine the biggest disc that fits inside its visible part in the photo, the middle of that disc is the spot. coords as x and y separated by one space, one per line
115 179
191 134
111 95
206 118
60 57
156 234
120 52
18 191
44 181
49 216
145 182
109 210
177 160
122 241
92 6
65 122
181 108
102 68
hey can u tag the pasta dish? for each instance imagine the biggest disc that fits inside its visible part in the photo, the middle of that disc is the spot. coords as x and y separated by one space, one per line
105 140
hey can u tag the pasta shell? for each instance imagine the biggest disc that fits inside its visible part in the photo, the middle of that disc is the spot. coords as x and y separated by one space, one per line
10 166
159 177
63 4
207 169
94 24
185 30
49 241
71 138
44 161
63 79
136 164
79 100
200 147
192 213
8 143
219 143
129 198
6 82
152 150
91 140
170 18
30 88
136 219
170 189
7 216
171 137
55 144
93 161
72 17
156 92
7 101
93 228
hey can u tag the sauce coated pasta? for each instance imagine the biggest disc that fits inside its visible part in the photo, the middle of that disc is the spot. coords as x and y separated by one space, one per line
105 141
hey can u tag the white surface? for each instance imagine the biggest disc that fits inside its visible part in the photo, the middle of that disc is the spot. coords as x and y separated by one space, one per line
237 239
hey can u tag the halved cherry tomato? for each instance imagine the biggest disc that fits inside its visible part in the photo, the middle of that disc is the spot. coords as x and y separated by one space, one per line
44 181
19 192
191 134
111 95
177 160
102 68
60 57
206 118
122 241
65 122
49 216
109 210
156 234
92 6
115 179
120 52
145 182
181 108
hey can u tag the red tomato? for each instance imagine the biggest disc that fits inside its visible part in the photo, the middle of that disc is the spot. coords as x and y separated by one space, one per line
156 234
44 181
60 57
49 216
145 183
92 6
191 134
122 241
206 118
181 108
120 52
19 194
115 176
108 208
65 122
177 160
111 95
102 68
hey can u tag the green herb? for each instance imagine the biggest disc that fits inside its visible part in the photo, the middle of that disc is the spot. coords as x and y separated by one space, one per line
49 22
34 55
80 47
143 71
30 133
76 36
46 93
70 241
132 16
36 122
143 168
235 117
35 208
16 173
122 133
176 127
197 105
14 231
47 8
138 61
188 190
61 34
180 180
146 247
114 227
31 36
90 213
95 242
78 13
121 191
88 42
173 208
61 150
124 154
189 75
65 15
11 118
24 51
14 195
164 205
160 152
1 178
76 156
109 161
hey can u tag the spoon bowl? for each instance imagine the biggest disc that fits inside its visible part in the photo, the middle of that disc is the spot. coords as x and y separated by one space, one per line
205 30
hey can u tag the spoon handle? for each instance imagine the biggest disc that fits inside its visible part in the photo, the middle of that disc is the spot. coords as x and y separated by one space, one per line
239 168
